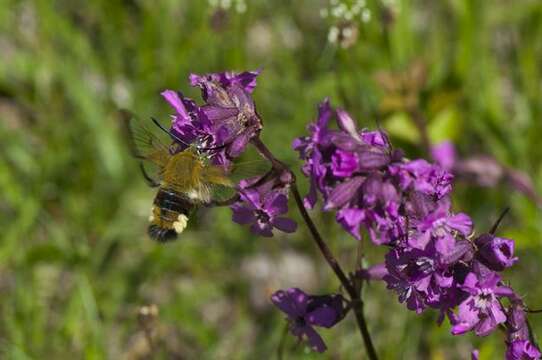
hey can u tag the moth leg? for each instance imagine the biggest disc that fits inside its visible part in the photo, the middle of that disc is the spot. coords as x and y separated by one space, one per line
150 181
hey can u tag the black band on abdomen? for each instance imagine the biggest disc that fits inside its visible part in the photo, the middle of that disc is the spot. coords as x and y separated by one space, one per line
171 200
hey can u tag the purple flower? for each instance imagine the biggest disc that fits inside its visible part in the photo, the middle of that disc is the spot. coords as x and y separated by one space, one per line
334 156
518 342
189 122
424 177
481 311
245 80
441 226
522 350
406 205
475 354
372 202
309 148
516 323
227 121
494 252
230 110
375 272
344 163
305 311
351 220
261 207
418 277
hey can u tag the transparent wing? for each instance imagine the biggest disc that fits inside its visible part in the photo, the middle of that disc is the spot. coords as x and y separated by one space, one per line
221 194
143 142
222 184
248 169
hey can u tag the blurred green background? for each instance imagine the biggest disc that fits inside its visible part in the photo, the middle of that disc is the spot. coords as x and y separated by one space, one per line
75 263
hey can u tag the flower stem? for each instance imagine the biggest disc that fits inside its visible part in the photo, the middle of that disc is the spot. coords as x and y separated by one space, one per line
324 249
355 296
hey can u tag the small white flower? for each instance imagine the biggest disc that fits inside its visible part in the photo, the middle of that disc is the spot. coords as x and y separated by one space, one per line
324 13
225 4
333 35
360 3
366 15
241 7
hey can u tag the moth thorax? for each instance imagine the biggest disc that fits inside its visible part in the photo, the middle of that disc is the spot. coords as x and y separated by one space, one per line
180 224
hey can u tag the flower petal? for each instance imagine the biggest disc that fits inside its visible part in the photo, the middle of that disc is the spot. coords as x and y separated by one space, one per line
347 124
173 98
242 215
285 224
343 192
315 340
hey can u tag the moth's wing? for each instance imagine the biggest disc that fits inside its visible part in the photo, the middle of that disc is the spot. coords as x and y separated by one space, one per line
221 193
216 175
248 169
223 183
218 183
145 144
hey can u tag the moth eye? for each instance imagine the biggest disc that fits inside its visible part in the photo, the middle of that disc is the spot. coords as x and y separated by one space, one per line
180 224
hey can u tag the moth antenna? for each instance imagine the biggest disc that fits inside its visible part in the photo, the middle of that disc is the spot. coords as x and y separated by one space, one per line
499 220
181 141
168 132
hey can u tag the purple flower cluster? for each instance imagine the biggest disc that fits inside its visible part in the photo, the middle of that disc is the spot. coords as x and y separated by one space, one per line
434 260
223 126
221 129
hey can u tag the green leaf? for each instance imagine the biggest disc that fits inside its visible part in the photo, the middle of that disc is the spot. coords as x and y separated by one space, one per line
446 125
401 126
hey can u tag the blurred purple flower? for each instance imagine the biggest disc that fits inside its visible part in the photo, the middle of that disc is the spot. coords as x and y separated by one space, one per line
375 272
444 154
305 311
